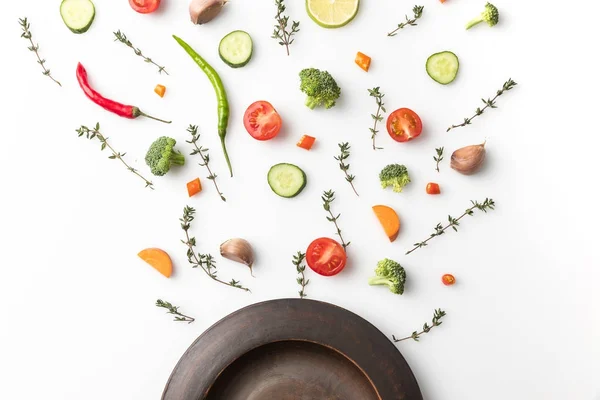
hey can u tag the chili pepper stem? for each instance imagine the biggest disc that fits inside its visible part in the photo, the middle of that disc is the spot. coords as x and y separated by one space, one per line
226 156
140 113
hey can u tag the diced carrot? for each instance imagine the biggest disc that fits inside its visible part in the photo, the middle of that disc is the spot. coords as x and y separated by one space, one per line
389 220
442 1
306 142
432 188
194 187
363 61
159 259
160 90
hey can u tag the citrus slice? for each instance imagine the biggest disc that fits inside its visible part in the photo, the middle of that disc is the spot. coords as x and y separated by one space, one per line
332 13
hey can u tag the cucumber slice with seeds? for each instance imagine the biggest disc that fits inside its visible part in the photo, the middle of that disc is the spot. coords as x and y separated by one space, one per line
442 67
77 15
286 180
235 49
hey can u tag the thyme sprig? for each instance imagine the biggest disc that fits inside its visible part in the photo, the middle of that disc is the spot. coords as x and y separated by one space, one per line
438 158
298 260
435 321
94 133
489 103
204 261
377 117
171 309
328 198
25 25
281 32
417 11
203 153
121 37
344 154
488 204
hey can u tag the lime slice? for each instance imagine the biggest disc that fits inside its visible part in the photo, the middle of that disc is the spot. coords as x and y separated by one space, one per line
332 13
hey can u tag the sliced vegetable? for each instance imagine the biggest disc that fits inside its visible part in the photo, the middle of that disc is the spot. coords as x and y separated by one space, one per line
262 121
159 259
286 180
404 124
77 15
389 220
203 11
332 13
194 187
442 67
363 61
448 280
326 257
160 90
235 49
306 142
432 188
144 6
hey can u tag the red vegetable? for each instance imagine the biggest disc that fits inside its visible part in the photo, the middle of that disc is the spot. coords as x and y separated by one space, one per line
448 280
262 121
326 257
404 125
144 6
122 110
306 142
433 188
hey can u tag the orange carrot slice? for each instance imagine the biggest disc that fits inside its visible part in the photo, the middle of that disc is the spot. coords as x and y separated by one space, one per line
159 259
194 187
306 142
160 90
363 61
389 221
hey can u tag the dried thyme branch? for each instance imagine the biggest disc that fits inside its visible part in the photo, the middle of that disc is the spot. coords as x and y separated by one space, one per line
300 267
435 321
203 152
35 47
120 36
171 309
328 198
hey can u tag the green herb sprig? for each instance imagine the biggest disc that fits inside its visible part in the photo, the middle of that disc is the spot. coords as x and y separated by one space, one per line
281 32
487 204
171 309
328 198
204 261
440 156
417 11
203 153
344 154
489 103
298 260
378 116
94 133
435 321
35 48
121 37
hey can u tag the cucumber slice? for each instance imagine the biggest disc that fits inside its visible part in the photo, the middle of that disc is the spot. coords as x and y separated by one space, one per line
286 180
235 49
442 67
77 15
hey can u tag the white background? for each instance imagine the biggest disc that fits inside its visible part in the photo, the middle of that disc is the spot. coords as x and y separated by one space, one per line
77 314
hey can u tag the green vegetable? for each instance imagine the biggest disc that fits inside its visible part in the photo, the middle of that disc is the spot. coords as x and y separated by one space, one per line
320 88
235 49
161 156
394 175
390 273
442 67
490 15
286 180
222 103
77 15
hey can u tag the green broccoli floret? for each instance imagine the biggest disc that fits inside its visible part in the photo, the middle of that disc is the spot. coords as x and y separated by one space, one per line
394 175
161 156
389 273
489 15
320 88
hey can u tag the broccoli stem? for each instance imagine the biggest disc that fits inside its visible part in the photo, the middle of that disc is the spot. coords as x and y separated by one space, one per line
378 280
311 102
177 159
474 22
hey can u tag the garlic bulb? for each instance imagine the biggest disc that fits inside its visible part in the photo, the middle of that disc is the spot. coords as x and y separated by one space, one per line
469 159
238 250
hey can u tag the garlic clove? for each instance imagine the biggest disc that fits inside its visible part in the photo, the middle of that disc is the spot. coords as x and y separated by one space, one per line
203 11
238 250
469 159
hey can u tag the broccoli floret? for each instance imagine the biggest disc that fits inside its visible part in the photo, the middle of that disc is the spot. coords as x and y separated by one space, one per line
320 88
489 15
161 156
394 175
389 273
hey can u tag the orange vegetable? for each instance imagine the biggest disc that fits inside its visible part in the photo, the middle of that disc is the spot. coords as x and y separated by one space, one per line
160 90
159 259
194 187
306 142
432 188
389 221
448 280
363 61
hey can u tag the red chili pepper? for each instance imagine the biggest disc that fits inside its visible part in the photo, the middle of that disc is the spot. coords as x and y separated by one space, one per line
122 110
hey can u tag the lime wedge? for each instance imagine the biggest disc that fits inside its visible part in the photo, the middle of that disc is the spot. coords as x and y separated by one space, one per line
332 13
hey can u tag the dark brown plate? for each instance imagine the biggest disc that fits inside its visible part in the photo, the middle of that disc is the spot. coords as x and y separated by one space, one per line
292 349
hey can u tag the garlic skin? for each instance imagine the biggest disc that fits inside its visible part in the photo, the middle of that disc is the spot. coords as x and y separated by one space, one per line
469 159
203 11
238 250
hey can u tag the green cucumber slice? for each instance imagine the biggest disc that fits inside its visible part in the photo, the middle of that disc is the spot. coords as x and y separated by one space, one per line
235 49
286 180
77 15
442 67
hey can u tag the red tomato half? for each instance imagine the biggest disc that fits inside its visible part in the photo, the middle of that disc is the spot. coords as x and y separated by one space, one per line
326 257
404 125
144 6
262 121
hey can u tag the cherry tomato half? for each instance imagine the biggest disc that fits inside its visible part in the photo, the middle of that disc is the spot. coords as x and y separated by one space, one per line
262 121
326 257
432 188
144 6
404 125
448 279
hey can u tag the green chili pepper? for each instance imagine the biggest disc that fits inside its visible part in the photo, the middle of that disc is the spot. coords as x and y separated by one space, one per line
222 103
